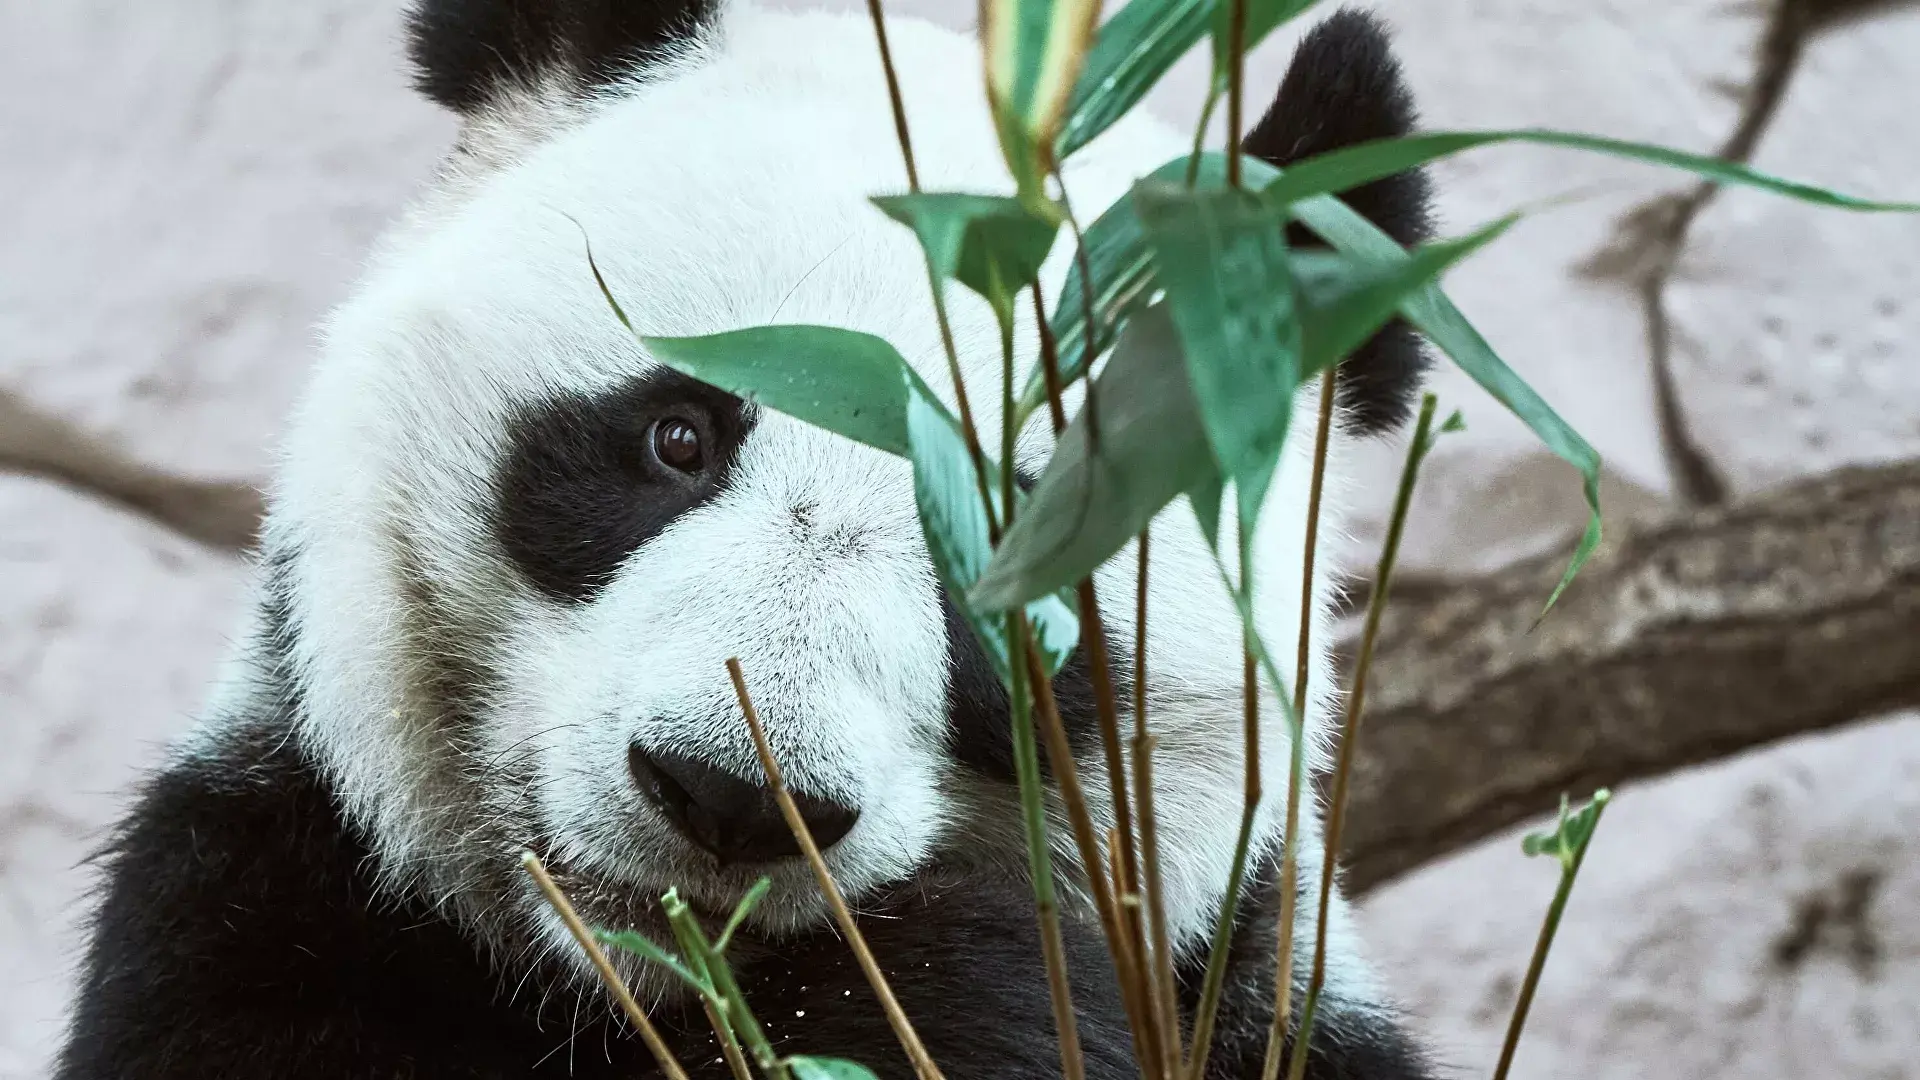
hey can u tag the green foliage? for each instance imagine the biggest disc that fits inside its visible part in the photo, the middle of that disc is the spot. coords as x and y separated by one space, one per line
1345 169
1263 18
990 244
1153 441
850 383
1568 841
1034 52
1222 255
1434 315
955 524
1132 50
1088 503
826 1068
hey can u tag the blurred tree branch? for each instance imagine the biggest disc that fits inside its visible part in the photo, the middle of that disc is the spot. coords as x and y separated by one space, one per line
1685 641
221 514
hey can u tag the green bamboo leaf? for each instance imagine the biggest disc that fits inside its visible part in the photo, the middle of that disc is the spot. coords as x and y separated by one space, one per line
991 244
850 383
955 525
1221 255
1345 300
1087 505
641 946
1263 18
740 912
1571 834
1435 316
1122 272
825 1068
1350 167
1034 52
1132 50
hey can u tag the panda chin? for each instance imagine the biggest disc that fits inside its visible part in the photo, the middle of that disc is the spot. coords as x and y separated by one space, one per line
627 899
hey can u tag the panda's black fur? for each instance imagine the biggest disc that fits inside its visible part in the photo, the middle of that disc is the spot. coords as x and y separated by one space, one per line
245 928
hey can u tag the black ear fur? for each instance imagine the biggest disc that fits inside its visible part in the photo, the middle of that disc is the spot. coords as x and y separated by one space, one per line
465 51
1344 87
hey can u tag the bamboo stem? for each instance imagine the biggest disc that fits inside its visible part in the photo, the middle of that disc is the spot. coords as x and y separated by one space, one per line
1289 875
1236 86
1026 762
923 1065
1066 775
1350 728
648 1033
1570 863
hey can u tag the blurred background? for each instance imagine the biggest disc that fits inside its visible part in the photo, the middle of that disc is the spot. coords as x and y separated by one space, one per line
186 187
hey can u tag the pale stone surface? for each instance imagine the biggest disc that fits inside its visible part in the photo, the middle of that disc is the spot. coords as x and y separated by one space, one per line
109 628
1797 328
1755 918
193 183
188 186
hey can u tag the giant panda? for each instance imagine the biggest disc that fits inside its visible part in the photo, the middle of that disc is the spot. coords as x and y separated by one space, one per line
507 556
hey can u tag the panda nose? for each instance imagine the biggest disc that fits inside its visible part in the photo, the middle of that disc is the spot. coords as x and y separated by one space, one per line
734 820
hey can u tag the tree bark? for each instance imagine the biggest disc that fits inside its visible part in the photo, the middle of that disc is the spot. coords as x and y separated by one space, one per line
1685 641
220 514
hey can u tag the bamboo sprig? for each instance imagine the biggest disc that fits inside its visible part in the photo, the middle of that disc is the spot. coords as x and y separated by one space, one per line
1423 436
1026 763
1571 851
1303 657
1236 87
614 983
1161 952
1215 979
923 1065
733 1022
905 138
1066 776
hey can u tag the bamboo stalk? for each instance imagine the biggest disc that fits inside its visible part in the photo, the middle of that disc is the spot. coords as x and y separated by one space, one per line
1066 775
1143 746
1303 657
1026 761
923 1065
1212 984
648 1033
1350 728
1236 87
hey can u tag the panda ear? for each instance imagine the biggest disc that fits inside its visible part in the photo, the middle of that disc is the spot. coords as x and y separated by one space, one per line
466 52
1345 87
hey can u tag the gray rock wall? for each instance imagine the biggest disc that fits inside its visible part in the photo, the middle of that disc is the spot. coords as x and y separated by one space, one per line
189 185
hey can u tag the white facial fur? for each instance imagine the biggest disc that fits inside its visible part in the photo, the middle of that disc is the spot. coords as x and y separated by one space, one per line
730 191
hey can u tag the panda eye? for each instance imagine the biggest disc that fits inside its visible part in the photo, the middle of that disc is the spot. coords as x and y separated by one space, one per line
676 444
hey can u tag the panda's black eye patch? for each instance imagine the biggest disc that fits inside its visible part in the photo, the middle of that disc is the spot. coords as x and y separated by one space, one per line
589 478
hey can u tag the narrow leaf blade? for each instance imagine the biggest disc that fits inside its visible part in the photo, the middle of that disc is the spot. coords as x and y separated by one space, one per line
1087 505
825 1068
955 526
1435 316
1221 255
991 244
1132 50
1350 167
850 383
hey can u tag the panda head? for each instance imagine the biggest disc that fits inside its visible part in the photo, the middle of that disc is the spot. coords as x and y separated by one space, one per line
514 553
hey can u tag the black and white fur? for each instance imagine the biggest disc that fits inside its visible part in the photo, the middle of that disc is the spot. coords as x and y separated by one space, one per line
478 595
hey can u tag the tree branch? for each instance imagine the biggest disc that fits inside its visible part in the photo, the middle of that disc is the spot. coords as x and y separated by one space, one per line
1723 629
220 514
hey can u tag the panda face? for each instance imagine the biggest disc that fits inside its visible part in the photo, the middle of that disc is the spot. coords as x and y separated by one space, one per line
517 552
